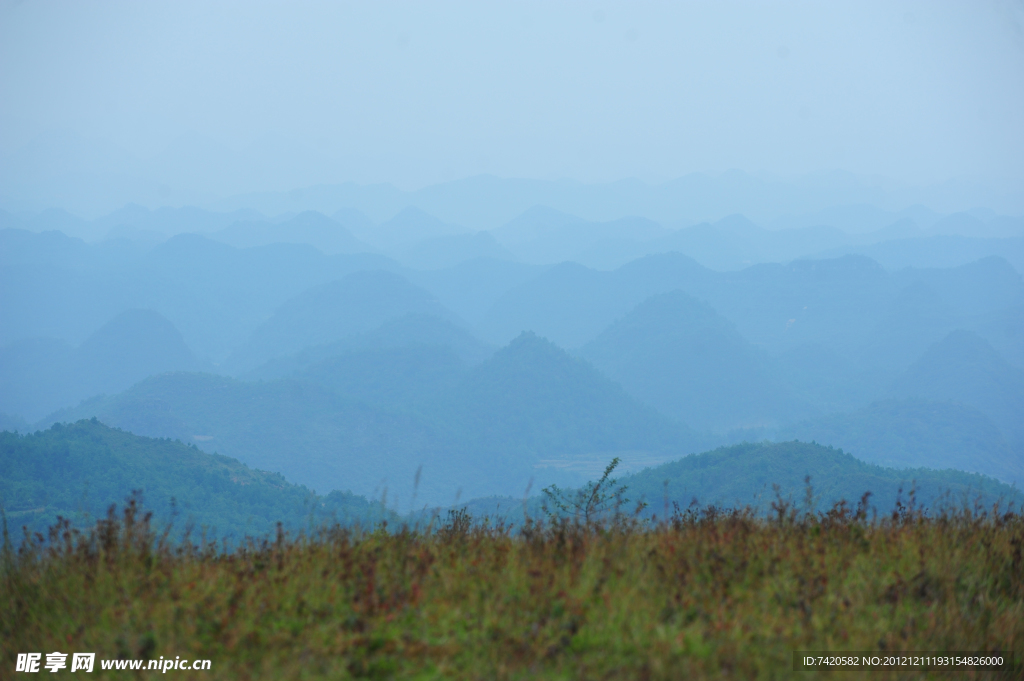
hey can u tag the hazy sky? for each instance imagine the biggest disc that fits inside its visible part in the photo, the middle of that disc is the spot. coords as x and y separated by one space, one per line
419 92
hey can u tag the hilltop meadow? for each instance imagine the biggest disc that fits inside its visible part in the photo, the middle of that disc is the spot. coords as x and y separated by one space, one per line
704 593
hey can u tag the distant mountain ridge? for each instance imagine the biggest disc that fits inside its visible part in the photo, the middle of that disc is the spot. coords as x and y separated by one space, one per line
216 295
448 251
333 311
533 395
410 330
409 226
679 355
918 432
963 368
370 419
42 375
308 227
778 345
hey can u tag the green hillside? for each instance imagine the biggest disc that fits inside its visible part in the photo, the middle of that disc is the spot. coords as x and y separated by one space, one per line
745 474
77 470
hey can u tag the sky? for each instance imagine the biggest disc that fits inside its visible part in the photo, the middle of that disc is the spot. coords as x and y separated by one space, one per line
220 97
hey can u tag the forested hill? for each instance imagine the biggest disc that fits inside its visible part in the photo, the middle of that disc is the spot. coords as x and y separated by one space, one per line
758 474
746 474
77 470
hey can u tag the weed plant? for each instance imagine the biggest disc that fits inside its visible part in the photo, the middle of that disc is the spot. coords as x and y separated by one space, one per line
703 593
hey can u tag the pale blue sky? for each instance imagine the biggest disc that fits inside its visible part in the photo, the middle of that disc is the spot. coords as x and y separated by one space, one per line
415 93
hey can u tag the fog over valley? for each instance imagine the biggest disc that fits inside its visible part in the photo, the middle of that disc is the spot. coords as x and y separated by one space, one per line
420 358
378 252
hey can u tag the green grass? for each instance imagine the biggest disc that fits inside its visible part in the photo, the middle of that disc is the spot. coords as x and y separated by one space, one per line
710 594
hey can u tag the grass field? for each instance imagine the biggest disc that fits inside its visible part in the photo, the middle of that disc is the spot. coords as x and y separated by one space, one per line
704 594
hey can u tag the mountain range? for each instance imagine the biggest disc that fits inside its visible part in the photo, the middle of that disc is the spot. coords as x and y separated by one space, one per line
353 351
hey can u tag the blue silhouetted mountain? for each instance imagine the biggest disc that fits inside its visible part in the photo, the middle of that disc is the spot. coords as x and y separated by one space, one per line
537 224
308 227
447 251
735 242
407 377
863 321
166 221
133 345
41 375
543 235
1002 226
677 354
410 226
355 221
1004 329
840 303
471 287
571 304
13 424
904 228
36 377
725 244
832 381
964 368
533 397
567 303
980 296
370 418
330 312
963 224
913 320
316 437
914 433
216 295
859 219
409 331
303 431
981 286
59 220
944 250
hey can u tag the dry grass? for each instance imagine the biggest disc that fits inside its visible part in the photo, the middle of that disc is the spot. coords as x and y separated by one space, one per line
707 594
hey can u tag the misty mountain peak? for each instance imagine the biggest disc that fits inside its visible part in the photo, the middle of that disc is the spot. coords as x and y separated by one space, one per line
738 224
409 226
330 312
314 217
842 266
679 355
534 394
965 368
131 346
